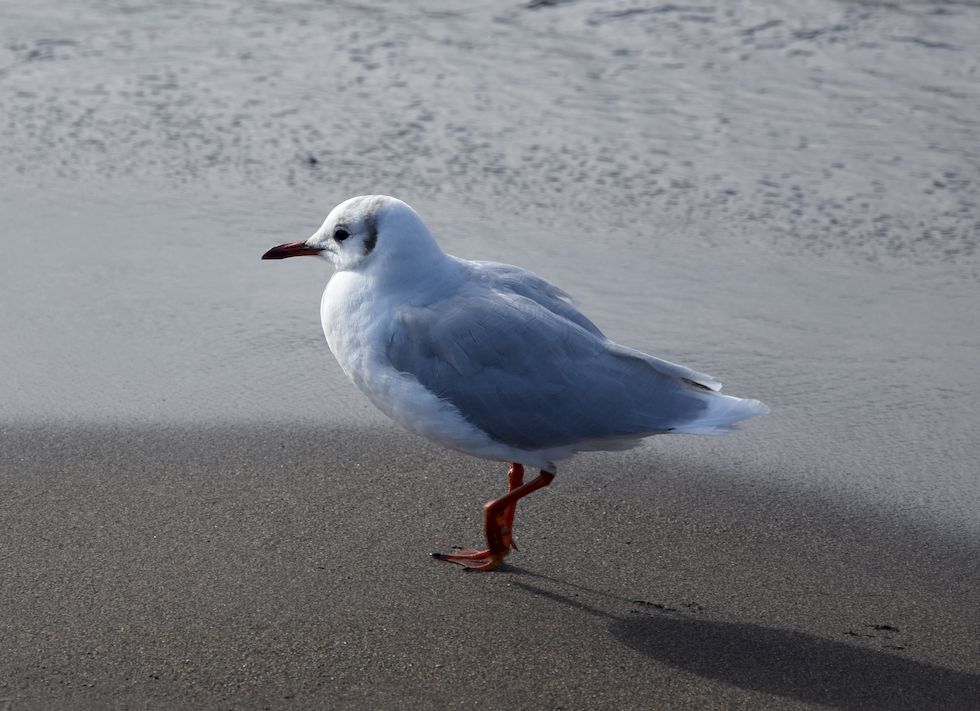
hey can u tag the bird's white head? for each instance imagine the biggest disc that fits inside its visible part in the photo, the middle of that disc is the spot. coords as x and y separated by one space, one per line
368 233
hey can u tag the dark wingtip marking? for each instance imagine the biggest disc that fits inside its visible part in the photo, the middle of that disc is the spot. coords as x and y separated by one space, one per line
696 386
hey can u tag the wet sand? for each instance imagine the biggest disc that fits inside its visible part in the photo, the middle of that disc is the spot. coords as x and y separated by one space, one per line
286 567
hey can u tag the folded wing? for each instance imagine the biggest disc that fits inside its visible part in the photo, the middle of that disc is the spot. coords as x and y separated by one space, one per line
532 372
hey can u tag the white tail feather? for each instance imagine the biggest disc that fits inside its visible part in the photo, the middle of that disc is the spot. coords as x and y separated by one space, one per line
722 414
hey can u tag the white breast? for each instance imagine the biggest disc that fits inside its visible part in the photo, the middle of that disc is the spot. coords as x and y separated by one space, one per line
356 322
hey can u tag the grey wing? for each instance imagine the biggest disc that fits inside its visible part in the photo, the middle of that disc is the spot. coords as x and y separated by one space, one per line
508 278
531 378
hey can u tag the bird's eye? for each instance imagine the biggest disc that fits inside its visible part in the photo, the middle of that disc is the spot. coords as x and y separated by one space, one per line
341 235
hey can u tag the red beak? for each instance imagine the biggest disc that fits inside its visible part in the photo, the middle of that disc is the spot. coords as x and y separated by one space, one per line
291 249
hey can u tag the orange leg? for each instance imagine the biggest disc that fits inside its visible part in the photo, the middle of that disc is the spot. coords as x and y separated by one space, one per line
498 520
515 480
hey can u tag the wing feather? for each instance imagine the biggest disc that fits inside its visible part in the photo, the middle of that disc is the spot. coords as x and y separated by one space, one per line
532 372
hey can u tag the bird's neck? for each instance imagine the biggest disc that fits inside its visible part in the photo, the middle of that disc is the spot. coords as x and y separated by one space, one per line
415 280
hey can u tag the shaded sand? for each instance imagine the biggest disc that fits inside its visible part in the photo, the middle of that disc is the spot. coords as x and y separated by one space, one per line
287 567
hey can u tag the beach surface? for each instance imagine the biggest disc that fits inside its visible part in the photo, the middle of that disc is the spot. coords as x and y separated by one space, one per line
199 511
286 567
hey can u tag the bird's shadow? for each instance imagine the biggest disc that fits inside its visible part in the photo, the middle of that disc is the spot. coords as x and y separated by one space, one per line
775 661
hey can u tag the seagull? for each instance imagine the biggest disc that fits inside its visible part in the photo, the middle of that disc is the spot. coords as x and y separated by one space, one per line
489 359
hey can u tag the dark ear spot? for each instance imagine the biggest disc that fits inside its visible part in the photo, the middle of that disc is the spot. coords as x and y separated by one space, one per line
371 225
